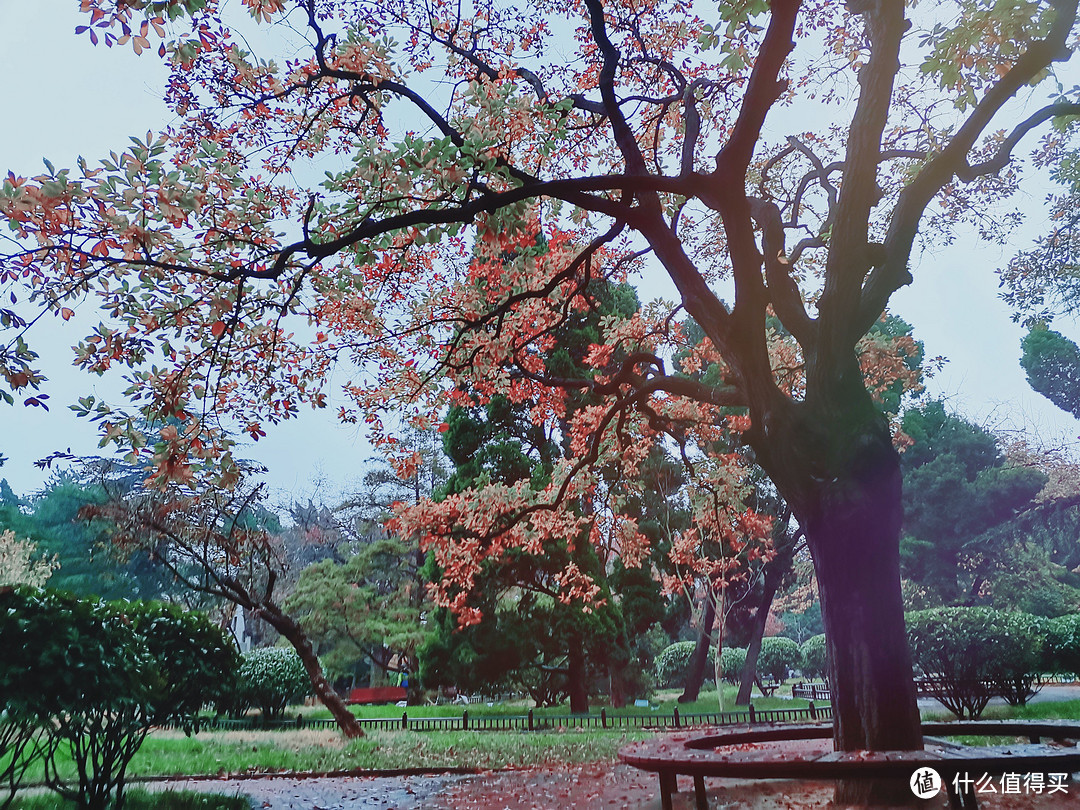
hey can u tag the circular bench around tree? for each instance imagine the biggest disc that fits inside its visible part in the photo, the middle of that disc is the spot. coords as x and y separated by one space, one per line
726 753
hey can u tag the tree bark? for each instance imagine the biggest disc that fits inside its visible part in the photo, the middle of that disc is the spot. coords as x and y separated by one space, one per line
579 695
695 673
323 689
775 570
748 676
836 466
617 688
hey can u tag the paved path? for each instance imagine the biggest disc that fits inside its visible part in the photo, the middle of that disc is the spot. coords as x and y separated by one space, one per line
330 793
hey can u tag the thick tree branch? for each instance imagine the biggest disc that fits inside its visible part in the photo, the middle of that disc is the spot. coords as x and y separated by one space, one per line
784 293
848 260
893 272
624 135
1003 155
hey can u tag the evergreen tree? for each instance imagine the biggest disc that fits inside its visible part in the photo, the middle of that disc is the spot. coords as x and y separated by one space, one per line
957 486
1052 363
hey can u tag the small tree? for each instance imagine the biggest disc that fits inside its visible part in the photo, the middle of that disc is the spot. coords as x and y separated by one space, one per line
18 564
369 607
778 657
815 661
90 678
272 678
976 653
216 542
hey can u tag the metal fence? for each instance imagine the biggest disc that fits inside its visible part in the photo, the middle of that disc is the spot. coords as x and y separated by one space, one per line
812 691
533 721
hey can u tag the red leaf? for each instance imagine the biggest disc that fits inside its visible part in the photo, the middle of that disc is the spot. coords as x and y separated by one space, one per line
218 329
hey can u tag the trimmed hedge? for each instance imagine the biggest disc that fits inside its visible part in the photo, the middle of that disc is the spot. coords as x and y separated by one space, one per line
778 656
732 660
673 663
272 678
1063 645
815 659
974 653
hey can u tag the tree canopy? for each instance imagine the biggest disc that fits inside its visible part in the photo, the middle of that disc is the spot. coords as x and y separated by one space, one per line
1052 363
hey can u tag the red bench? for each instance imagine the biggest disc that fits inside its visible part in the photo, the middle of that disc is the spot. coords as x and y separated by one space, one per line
377 694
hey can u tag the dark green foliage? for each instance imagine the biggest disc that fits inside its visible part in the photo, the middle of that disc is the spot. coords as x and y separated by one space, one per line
732 660
196 659
1052 363
957 488
1063 644
492 443
815 660
89 564
528 637
271 678
86 677
93 677
672 663
777 658
524 642
977 652
7 495
934 433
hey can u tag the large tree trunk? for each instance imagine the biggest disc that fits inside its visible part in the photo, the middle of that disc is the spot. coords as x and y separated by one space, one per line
836 466
324 691
695 673
873 693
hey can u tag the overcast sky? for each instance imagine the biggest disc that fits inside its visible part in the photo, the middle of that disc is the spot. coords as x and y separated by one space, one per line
62 98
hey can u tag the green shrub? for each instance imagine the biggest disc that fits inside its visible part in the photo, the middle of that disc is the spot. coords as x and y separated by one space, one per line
976 653
732 660
272 678
815 661
198 661
1063 644
673 663
777 658
89 679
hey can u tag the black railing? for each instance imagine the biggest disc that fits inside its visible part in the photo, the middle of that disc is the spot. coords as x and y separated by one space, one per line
812 691
531 721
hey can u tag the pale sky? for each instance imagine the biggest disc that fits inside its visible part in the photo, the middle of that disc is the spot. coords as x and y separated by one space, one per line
62 98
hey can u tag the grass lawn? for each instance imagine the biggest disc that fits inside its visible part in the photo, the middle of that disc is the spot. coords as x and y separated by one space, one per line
1043 710
168 753
138 799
